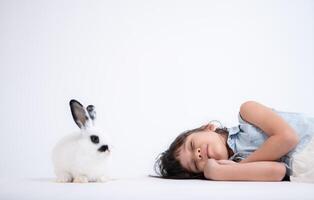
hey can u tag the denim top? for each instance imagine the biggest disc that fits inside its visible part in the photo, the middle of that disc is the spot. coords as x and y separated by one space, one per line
245 138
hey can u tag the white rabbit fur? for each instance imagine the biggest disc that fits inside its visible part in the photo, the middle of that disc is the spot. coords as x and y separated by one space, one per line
75 157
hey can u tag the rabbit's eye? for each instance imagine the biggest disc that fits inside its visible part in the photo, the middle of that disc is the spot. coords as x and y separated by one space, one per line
94 139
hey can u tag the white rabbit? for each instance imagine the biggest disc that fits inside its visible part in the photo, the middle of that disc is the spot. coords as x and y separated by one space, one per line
82 156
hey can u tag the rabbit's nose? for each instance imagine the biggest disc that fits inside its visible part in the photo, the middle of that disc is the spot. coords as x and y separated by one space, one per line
103 148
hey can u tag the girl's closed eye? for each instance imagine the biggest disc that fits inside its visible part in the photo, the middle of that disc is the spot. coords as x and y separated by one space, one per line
194 162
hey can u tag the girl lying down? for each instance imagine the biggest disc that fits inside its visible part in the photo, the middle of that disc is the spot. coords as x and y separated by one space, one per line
267 145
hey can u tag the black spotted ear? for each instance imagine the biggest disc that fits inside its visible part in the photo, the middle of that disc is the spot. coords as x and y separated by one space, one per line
91 111
78 113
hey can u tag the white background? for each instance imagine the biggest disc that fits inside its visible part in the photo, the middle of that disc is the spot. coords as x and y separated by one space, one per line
152 69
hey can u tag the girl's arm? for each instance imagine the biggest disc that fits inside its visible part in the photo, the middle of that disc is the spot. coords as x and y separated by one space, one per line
253 171
282 137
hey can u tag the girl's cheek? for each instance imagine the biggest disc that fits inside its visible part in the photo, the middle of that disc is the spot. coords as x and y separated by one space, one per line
202 165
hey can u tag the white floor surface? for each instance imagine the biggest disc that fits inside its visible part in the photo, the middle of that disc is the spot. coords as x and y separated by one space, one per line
152 188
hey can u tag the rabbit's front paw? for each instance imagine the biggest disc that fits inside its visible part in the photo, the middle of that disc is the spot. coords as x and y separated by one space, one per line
64 178
80 179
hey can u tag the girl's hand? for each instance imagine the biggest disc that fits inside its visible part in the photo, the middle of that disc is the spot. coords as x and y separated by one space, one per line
209 127
212 167
226 162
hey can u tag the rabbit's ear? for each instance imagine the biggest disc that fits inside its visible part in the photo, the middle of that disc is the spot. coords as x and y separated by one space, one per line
79 114
91 111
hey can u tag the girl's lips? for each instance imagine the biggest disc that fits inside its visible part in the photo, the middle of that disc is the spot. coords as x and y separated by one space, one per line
207 152
204 151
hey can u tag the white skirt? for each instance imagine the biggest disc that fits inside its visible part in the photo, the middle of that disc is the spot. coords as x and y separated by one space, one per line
303 164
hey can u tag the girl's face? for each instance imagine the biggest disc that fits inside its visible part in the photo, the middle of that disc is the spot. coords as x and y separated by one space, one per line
199 147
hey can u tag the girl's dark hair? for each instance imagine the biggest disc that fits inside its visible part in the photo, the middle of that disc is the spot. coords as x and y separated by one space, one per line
167 164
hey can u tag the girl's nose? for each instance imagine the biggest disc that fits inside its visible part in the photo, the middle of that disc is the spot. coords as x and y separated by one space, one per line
198 154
